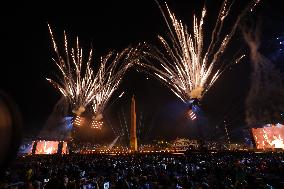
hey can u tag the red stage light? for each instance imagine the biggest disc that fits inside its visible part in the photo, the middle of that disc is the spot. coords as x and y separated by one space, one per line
97 124
192 115
79 121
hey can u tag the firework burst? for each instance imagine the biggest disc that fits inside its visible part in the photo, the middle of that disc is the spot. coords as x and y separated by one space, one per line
187 66
80 85
109 77
76 78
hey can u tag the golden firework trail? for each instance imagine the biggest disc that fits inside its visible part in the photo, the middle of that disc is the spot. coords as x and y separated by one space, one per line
78 82
186 65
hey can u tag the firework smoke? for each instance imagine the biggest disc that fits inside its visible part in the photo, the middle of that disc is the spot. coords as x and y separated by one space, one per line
55 121
264 102
187 66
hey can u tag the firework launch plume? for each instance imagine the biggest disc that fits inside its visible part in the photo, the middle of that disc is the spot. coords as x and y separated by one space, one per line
264 102
188 66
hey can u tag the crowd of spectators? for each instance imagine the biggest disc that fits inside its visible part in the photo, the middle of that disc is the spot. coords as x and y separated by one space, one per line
146 171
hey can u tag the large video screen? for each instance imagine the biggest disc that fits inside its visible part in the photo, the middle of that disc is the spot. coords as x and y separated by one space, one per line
46 147
270 136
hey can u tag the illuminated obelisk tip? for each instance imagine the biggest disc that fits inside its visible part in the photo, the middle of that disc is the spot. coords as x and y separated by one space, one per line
133 137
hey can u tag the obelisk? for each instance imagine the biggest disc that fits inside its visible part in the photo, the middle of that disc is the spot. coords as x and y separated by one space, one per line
133 136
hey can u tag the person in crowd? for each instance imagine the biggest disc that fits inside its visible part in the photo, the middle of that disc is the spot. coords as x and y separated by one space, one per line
146 171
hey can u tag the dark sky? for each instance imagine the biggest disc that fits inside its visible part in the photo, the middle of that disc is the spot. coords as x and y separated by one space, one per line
113 25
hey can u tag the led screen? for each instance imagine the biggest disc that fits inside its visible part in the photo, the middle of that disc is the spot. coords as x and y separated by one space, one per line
270 136
46 147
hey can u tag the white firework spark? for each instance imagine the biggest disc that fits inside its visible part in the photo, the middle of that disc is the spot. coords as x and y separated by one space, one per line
187 67
109 78
78 82
76 78
254 5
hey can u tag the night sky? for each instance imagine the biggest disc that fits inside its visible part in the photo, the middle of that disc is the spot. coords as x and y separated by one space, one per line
113 25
